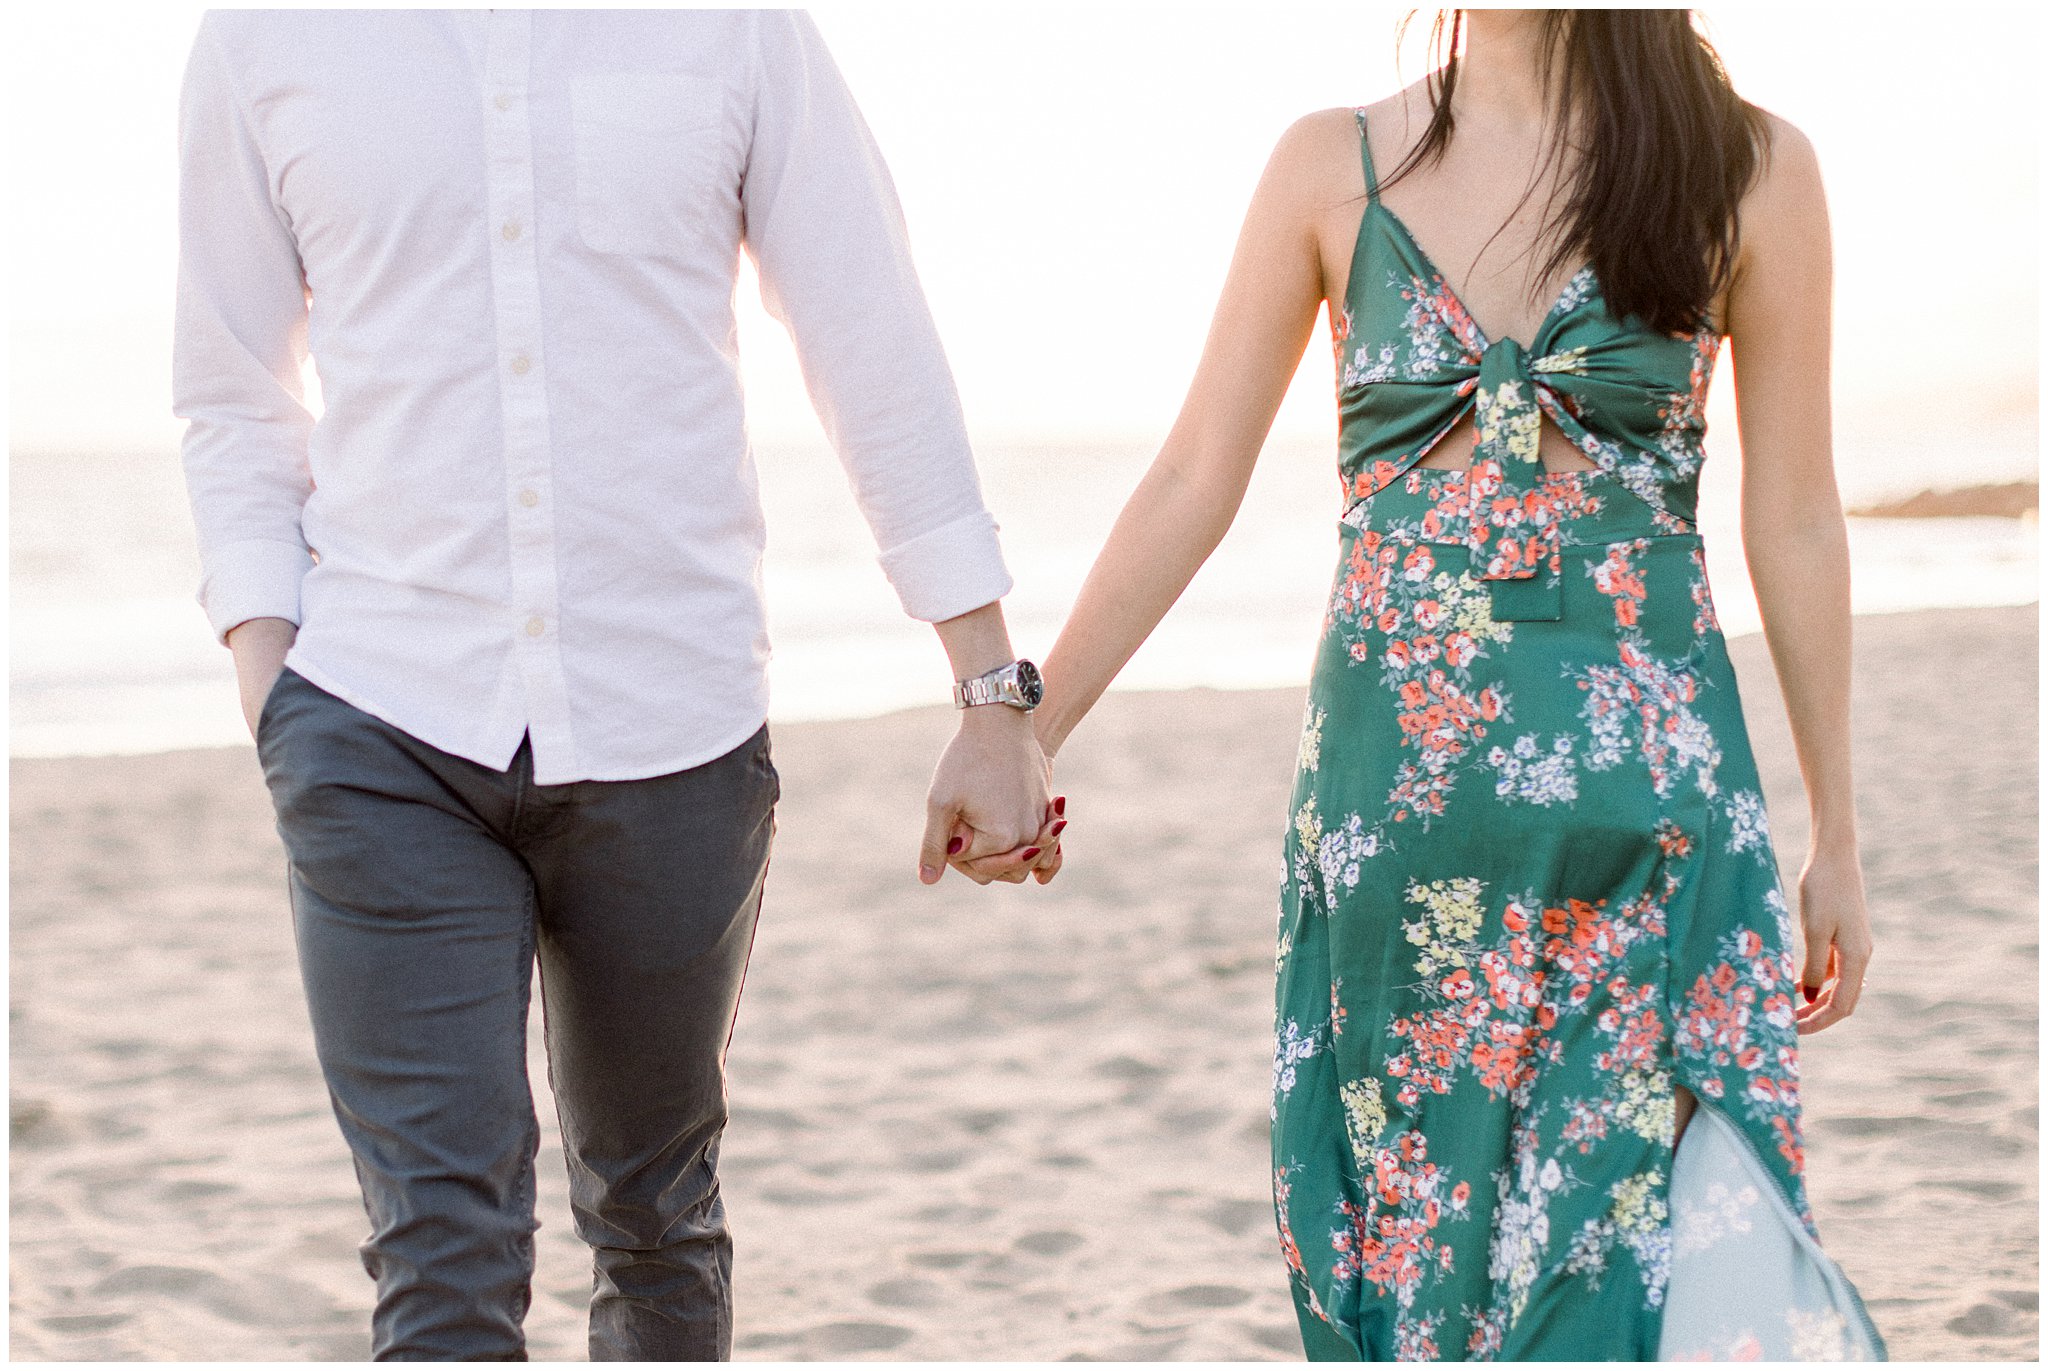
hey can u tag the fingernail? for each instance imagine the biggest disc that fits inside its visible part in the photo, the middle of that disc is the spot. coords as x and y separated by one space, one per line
953 848
1059 804
1057 827
928 874
1029 853
1811 992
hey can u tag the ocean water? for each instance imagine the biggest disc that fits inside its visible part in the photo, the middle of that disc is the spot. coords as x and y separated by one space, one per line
110 653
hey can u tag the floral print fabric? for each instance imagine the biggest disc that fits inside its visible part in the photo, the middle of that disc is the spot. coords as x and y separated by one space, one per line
1530 889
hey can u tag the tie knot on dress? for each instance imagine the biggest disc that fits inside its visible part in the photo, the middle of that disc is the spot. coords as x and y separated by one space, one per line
1517 534
1505 413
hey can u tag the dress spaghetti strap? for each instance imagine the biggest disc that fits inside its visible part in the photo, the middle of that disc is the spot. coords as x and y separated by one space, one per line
1372 180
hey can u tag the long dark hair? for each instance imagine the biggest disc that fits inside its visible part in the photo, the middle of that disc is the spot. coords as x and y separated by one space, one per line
1667 150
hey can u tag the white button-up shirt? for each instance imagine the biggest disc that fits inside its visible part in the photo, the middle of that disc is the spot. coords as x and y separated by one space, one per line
509 240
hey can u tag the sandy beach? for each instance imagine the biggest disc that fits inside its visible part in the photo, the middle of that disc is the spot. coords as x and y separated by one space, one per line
1014 1123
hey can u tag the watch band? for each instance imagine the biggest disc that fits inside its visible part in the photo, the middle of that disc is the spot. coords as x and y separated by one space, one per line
1016 684
981 690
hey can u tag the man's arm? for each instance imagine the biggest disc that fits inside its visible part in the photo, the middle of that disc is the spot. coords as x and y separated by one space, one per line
826 233
240 342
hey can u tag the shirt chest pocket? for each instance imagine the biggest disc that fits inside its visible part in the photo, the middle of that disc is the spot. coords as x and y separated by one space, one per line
649 159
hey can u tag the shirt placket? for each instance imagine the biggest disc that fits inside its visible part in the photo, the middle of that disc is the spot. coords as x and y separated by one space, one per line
535 610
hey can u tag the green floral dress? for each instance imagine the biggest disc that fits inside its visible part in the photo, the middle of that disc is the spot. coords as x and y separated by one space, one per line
1529 885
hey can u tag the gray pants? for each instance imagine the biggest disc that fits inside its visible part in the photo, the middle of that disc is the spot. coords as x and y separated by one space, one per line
423 888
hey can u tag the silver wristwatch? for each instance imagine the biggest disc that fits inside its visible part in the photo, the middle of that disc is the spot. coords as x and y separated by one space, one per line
1017 684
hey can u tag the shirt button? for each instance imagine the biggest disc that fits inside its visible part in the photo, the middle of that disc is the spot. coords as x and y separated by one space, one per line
503 102
511 230
536 626
529 497
521 364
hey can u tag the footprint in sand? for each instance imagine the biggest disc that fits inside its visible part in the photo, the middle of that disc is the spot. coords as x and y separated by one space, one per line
756 1342
1850 1126
929 1163
952 1215
1985 1321
1127 1068
161 1280
1189 1123
837 1339
31 1122
1969 1098
982 1121
1994 1191
907 1292
1053 1243
941 1261
82 1323
1239 1217
1273 1337
810 1197
1210 1296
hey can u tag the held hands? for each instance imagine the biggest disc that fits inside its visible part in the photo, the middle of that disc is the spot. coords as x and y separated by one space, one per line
991 813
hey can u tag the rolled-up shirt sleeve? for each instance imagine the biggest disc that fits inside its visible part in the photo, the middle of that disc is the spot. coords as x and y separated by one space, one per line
239 345
826 232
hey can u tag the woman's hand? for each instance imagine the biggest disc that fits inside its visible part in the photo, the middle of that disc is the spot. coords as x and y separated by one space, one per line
1838 944
1039 858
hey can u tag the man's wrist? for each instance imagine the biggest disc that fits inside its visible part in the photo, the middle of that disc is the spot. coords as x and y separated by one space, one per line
1016 683
996 718
976 641
265 632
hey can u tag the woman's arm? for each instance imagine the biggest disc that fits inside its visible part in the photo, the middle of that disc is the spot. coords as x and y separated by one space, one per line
1779 325
1185 502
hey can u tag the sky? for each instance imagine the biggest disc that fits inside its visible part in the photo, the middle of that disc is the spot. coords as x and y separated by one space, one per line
1074 177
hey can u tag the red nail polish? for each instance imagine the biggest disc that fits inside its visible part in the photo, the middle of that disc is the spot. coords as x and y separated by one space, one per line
1811 992
1029 853
953 848
1059 804
1057 827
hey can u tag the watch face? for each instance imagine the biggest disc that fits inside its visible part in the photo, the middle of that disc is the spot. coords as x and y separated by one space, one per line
1030 684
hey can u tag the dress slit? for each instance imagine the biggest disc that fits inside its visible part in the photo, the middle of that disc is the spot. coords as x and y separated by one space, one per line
1748 1281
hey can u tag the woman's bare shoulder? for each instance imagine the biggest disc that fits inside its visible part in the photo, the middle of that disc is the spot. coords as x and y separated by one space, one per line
1785 208
1783 262
1788 173
1317 167
1323 137
1314 164
1319 153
